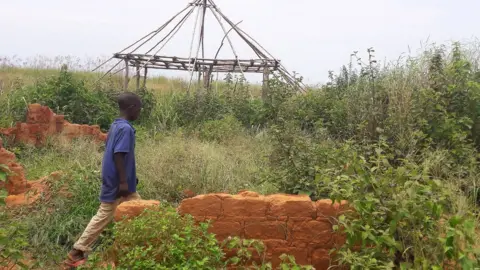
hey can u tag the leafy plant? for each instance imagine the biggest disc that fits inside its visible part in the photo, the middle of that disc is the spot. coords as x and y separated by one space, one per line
397 215
248 252
67 95
162 239
245 250
13 241
220 130
288 263
4 172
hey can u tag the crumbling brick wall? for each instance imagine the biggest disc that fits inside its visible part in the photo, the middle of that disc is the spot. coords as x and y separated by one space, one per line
16 182
42 122
287 224
20 191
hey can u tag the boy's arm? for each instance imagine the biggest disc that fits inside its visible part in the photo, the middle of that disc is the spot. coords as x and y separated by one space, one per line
119 160
121 148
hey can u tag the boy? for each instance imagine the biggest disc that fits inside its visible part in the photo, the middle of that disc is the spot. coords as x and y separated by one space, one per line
119 179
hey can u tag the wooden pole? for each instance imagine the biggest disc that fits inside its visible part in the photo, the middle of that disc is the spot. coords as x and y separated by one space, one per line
138 77
265 88
202 40
145 78
206 78
125 82
199 78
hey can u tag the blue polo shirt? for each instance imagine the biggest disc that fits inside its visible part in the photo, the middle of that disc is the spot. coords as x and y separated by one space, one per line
120 139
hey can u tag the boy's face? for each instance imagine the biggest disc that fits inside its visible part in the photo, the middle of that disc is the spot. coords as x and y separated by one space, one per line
133 111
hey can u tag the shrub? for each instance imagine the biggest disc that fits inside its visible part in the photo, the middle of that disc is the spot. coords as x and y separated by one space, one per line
245 249
13 241
162 239
406 212
71 96
66 95
220 130
194 109
401 216
4 172
149 102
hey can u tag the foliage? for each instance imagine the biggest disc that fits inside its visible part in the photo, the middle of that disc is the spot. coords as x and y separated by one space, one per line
399 141
13 241
398 211
247 249
193 109
53 234
162 239
4 172
220 130
244 250
398 214
149 102
3 196
293 160
288 263
68 95
406 164
56 220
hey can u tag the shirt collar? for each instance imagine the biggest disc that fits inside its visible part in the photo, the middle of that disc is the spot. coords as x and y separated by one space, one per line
121 120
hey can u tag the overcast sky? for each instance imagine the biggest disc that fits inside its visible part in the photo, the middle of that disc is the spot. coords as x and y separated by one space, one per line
309 36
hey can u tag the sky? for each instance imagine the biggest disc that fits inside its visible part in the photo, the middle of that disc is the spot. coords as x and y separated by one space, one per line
310 37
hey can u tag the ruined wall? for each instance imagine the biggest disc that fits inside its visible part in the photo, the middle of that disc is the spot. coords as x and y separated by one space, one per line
41 122
285 223
16 182
21 191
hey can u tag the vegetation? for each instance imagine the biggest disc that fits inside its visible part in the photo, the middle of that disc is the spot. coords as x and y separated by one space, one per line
162 239
400 142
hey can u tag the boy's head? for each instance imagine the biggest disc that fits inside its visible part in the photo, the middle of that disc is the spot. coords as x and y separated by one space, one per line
130 106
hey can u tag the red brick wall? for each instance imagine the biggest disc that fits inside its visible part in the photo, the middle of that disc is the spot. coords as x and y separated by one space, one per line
41 122
285 223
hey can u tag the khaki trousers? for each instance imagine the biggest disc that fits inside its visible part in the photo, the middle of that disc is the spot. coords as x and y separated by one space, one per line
99 222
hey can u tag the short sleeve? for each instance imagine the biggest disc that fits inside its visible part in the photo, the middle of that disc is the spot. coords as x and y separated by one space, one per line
123 140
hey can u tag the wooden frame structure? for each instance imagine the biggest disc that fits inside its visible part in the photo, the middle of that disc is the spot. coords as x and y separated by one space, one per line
195 63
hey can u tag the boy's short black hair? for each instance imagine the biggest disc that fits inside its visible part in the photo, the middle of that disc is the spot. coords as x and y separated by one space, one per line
127 99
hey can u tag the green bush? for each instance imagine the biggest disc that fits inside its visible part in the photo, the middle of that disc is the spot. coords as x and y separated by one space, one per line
401 215
71 96
244 254
149 102
400 207
194 109
66 95
220 130
162 239
13 242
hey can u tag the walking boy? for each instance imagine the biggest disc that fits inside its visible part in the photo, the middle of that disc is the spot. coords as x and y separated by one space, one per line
119 179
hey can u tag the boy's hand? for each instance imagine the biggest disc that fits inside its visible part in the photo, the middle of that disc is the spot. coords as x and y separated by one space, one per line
123 189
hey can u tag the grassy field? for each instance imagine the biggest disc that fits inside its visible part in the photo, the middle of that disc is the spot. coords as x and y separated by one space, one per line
399 142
